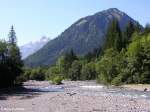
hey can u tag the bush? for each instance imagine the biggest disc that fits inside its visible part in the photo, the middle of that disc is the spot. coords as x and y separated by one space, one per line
57 80
75 71
52 72
88 71
37 74
117 81
24 76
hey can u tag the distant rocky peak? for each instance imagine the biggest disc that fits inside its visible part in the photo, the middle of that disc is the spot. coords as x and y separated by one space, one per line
34 46
44 39
114 10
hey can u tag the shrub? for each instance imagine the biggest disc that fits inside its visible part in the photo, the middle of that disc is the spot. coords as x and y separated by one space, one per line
117 81
37 74
88 71
52 72
57 80
75 71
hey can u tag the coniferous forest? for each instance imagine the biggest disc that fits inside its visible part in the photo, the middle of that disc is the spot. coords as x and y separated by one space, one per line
124 59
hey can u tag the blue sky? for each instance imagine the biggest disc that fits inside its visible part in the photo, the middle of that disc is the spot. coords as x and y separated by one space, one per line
33 19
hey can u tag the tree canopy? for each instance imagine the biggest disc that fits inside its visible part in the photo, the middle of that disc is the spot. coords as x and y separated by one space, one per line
10 61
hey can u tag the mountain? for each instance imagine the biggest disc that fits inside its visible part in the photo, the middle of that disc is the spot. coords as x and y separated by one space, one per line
82 36
32 47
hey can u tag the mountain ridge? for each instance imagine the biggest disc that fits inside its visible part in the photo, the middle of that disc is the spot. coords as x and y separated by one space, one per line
83 36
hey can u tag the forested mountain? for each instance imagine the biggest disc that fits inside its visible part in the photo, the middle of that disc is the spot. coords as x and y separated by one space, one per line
82 36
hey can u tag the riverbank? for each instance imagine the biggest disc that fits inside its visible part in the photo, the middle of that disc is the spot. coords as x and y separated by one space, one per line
79 96
139 87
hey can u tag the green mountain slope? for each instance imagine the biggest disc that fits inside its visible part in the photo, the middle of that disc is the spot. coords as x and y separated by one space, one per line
83 36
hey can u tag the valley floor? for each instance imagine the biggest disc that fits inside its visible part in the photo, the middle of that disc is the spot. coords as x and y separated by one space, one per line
80 96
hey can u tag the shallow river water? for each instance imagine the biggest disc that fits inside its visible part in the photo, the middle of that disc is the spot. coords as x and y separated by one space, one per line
95 91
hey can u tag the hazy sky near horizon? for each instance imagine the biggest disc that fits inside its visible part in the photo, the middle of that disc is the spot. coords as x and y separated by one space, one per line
33 19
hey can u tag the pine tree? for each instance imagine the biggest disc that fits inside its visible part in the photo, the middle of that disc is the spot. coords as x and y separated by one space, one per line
138 27
69 57
114 37
147 28
12 36
14 57
13 49
130 29
92 55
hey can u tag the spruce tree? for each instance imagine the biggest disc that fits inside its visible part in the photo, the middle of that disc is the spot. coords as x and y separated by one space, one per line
15 63
69 58
114 37
147 28
138 27
12 36
128 32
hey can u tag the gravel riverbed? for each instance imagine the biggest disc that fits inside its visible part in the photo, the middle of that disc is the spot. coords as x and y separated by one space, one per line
79 96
